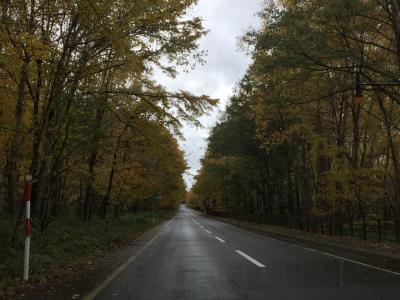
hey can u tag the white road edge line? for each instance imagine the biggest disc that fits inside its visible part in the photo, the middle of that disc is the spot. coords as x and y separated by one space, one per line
121 268
359 263
257 263
208 231
347 259
219 239
201 226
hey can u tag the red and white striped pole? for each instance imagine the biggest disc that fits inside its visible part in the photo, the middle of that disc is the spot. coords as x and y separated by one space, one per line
27 198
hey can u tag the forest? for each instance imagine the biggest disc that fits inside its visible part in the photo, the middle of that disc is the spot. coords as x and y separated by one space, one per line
81 112
310 138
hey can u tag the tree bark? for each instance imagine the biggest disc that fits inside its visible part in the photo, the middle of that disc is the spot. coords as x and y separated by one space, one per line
11 168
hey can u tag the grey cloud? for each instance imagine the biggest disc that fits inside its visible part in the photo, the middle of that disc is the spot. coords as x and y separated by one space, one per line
226 21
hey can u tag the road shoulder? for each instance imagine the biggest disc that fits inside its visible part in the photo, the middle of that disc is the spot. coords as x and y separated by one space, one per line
80 279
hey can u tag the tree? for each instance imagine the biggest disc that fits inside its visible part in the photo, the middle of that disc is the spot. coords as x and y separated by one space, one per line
326 158
78 86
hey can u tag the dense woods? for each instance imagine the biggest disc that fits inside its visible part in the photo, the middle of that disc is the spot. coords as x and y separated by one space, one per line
80 112
295 147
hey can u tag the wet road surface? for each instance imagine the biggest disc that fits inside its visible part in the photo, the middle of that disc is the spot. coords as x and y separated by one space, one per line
194 257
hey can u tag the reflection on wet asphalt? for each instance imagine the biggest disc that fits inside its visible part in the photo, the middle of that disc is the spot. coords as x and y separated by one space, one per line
187 262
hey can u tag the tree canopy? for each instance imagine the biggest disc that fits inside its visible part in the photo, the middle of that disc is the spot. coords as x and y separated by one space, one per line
80 110
294 142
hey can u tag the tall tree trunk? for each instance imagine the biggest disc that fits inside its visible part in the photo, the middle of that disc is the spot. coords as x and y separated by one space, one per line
107 196
92 159
34 169
89 195
394 18
11 168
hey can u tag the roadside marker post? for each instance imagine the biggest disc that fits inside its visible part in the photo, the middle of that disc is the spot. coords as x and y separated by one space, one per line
27 198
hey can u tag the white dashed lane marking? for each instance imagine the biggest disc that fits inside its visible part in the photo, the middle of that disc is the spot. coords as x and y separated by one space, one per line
219 239
249 258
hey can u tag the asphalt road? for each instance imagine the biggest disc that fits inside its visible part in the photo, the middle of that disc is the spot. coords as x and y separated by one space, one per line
194 257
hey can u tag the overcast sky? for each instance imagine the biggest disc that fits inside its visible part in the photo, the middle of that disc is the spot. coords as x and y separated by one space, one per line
225 65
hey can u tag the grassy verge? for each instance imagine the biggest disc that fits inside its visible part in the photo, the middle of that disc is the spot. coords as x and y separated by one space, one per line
67 240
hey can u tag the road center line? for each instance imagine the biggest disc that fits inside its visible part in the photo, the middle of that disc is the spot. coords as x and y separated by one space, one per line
208 231
257 263
219 239
308 249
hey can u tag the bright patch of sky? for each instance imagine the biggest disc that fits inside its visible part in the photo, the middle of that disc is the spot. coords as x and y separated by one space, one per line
227 21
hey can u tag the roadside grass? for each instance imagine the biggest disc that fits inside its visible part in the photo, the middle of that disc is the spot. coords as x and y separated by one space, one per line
67 240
